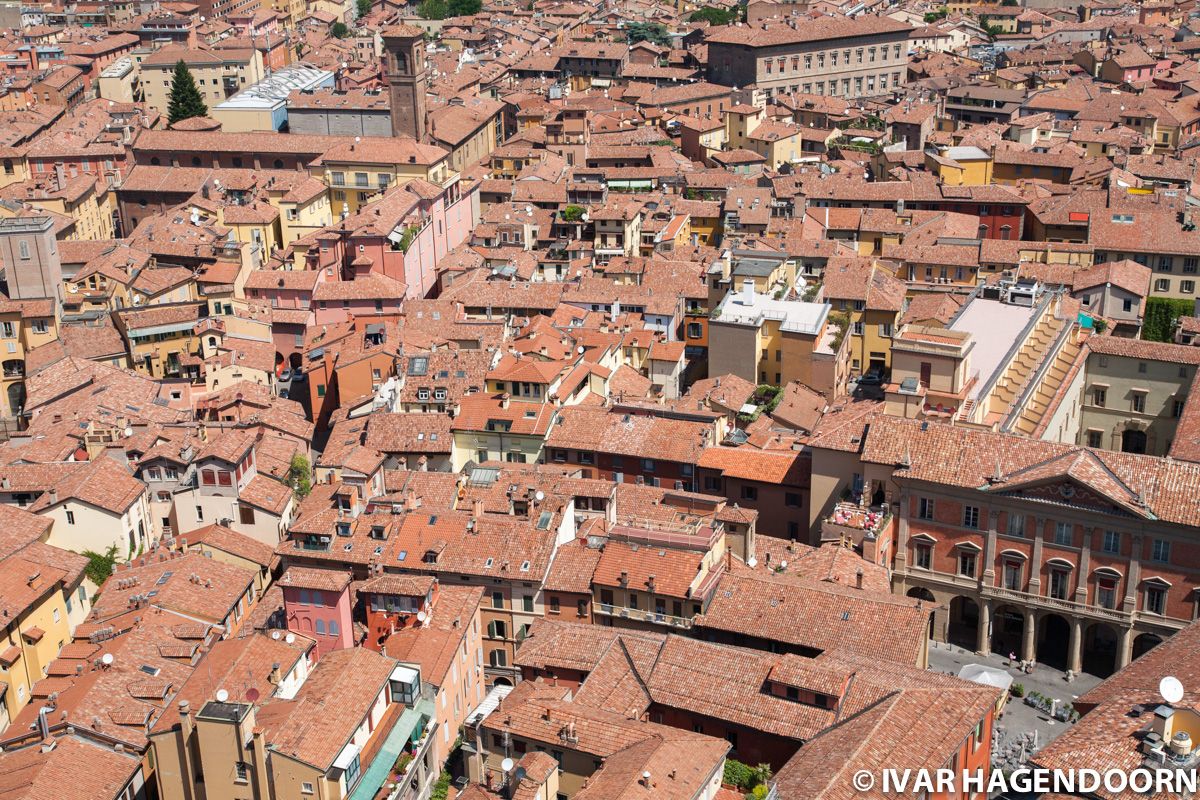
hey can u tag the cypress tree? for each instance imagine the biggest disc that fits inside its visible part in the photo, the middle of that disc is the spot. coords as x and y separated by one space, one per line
186 101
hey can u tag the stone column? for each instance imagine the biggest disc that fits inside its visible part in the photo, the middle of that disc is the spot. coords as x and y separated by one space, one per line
901 554
989 551
1133 577
1125 648
1084 567
1035 568
1029 637
1075 649
984 641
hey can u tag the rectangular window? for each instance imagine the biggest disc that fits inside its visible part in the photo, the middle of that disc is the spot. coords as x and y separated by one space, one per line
966 563
1095 438
925 508
1156 600
970 517
1112 542
70 517
1063 533
497 599
1099 396
527 603
1138 403
1060 583
1016 524
1160 550
922 555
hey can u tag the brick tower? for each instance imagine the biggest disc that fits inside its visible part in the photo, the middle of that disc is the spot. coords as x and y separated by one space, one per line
405 68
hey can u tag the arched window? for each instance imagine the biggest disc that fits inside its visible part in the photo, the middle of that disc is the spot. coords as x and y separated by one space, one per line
334 630
320 627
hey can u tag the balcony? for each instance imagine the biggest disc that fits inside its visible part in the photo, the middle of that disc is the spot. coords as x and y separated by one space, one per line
14 368
643 615
852 522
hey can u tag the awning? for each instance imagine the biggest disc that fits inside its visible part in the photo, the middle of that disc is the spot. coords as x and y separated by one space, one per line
347 756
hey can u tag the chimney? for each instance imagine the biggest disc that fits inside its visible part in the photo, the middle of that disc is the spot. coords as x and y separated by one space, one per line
53 495
858 579
60 175
748 292
504 400
275 677
476 508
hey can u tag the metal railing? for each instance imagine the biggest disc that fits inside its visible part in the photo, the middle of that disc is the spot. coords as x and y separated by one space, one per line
643 615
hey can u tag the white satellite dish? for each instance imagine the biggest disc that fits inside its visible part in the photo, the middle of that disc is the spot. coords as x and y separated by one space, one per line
507 764
539 495
783 565
290 638
1171 689
752 563
222 695
107 659
275 635
421 617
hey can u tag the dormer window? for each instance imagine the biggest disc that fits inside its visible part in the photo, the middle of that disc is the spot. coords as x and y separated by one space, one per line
422 394
378 532
343 529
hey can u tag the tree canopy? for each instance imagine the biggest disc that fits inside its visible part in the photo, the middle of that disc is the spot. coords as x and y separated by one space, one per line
364 7
340 30
653 32
713 15
185 101
441 9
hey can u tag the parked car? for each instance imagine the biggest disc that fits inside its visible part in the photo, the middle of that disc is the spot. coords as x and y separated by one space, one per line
286 376
872 378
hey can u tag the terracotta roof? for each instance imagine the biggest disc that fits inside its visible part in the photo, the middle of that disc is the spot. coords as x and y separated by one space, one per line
327 580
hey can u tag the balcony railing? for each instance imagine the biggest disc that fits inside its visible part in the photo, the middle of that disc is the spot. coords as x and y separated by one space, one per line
642 615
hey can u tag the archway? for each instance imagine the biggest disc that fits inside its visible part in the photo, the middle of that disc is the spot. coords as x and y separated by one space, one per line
1100 650
921 593
1145 643
1008 630
16 398
1133 441
1054 637
963 629
502 682
297 361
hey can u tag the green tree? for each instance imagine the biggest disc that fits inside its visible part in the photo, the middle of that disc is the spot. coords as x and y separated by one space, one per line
340 30
653 32
464 8
432 9
934 16
1161 314
300 476
185 101
713 15
364 7
100 565
572 213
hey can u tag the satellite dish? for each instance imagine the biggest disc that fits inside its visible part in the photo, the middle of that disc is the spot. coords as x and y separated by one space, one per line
275 635
783 565
107 659
579 349
539 495
1171 689
222 695
290 638
252 695
752 563
421 616
507 764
